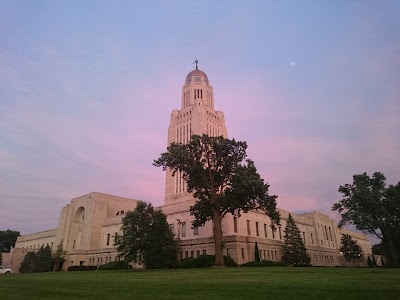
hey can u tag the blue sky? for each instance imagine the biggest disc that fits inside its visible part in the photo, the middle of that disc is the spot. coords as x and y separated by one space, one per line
87 87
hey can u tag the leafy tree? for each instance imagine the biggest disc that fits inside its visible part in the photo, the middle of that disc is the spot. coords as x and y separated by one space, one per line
373 208
256 253
294 249
29 263
44 259
8 239
221 181
59 256
146 238
350 249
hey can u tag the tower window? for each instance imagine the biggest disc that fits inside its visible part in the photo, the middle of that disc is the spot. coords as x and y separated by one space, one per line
257 232
235 224
248 227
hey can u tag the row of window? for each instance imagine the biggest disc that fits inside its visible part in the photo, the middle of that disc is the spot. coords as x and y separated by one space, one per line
182 233
38 246
185 254
183 133
324 258
96 261
325 230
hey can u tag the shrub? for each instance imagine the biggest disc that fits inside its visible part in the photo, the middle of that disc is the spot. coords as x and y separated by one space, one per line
203 261
264 263
82 268
115 265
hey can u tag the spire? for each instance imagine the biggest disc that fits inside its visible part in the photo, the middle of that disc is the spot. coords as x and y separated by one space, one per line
196 62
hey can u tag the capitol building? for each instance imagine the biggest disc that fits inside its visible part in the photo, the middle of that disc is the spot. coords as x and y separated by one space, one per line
88 224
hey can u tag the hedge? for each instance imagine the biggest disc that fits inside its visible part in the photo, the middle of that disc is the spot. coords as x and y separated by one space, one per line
203 261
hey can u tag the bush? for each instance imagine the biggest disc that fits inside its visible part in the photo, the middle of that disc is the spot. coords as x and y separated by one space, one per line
264 263
115 265
204 261
82 268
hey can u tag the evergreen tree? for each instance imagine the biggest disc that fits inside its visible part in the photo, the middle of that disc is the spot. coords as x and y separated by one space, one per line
44 259
59 257
294 249
256 253
350 249
29 264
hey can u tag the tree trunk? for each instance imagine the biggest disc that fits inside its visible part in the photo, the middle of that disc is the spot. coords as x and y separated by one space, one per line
218 238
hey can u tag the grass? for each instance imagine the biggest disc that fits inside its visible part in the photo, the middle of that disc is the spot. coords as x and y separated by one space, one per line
228 283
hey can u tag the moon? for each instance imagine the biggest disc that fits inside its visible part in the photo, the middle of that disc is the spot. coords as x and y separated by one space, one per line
292 64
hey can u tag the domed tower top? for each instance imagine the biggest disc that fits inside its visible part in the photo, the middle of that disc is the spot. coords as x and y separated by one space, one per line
196 76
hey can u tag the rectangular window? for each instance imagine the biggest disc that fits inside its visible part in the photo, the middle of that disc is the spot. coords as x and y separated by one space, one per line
242 253
248 227
108 239
198 253
257 232
191 253
196 231
204 252
235 224
183 229
280 232
326 233
304 237
73 247
265 230
312 240
273 232
228 252
187 254
264 254
330 233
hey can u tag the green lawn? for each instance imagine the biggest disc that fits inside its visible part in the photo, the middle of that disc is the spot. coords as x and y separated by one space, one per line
207 284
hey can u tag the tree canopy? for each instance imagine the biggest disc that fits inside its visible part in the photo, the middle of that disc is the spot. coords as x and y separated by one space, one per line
373 208
7 239
222 181
37 262
146 238
294 249
350 249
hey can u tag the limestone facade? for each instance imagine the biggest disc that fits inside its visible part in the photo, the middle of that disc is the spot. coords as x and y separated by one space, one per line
88 224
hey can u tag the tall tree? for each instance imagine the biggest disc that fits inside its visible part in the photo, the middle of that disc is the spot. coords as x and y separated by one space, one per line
294 249
8 239
146 238
29 264
222 181
44 259
350 249
59 256
373 208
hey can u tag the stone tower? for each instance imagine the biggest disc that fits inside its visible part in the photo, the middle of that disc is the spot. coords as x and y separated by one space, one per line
196 116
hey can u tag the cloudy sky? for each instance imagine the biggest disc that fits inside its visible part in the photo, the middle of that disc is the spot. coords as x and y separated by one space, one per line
87 87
